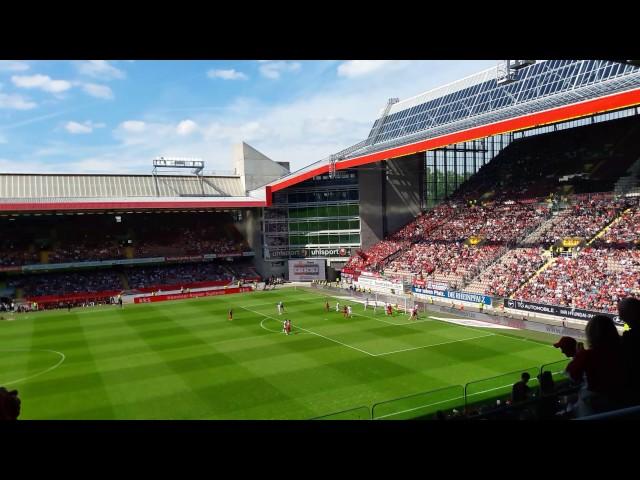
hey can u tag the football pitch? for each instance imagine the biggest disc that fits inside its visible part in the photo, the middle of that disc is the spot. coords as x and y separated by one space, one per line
185 360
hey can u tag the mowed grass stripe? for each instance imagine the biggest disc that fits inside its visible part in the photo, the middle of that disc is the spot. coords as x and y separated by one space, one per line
184 359
190 371
91 391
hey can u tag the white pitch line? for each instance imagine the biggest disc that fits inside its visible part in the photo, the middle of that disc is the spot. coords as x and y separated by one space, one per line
433 345
444 401
417 408
495 333
315 333
459 325
413 322
262 325
336 341
62 359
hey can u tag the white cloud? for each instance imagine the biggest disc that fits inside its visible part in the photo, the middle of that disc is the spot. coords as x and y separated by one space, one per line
99 91
80 128
318 120
42 82
15 102
186 127
273 70
100 69
230 74
77 128
358 68
134 126
12 66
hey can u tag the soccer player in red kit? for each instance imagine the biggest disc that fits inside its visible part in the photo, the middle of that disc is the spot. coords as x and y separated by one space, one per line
326 306
230 316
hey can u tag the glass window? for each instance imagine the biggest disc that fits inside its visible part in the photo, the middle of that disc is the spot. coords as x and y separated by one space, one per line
296 240
333 224
332 211
322 211
354 238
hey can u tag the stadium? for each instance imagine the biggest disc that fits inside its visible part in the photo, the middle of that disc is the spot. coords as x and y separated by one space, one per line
424 269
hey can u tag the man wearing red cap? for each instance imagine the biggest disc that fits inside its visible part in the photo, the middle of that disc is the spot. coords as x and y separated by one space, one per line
601 366
567 345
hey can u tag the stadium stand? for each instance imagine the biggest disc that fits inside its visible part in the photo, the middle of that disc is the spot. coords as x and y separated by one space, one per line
76 238
515 210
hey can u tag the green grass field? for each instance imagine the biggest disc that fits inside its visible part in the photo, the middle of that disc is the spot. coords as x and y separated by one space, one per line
185 360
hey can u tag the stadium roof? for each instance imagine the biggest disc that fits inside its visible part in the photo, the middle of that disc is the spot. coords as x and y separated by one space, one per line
474 107
478 106
35 192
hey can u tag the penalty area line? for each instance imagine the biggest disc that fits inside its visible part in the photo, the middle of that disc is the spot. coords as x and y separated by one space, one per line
433 345
314 333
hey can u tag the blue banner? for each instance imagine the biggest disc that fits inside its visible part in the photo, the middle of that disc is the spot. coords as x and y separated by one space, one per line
454 295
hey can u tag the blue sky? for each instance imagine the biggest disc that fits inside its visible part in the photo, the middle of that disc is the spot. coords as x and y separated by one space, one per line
115 116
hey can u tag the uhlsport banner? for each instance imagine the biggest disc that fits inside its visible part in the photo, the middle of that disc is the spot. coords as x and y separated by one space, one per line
305 270
558 311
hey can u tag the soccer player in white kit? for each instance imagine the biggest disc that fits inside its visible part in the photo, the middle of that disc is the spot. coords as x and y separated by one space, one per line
338 307
279 305
366 303
349 310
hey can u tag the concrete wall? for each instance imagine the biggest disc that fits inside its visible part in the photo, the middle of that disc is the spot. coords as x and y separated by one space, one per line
403 191
255 168
390 196
370 184
250 229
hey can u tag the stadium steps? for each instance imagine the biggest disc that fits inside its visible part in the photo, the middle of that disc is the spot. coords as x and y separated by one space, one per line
534 236
549 262
493 261
609 226
125 281
630 182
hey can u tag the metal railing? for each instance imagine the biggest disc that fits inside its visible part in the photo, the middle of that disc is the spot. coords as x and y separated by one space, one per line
427 404
419 404
357 413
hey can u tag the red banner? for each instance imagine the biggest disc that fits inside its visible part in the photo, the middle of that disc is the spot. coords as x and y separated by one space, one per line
10 269
88 296
182 296
175 286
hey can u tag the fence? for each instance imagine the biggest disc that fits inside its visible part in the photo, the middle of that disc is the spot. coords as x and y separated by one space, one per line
358 413
419 405
425 405
498 387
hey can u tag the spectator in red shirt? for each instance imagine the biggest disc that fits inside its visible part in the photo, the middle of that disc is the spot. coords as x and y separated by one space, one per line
629 311
601 365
